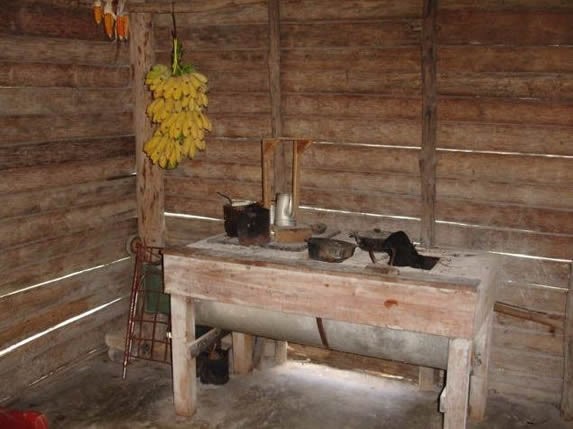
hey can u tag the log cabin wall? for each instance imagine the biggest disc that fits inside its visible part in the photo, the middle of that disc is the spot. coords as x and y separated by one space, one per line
505 171
67 188
355 78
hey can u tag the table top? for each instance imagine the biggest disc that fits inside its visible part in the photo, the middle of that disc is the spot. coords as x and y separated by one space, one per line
452 299
461 267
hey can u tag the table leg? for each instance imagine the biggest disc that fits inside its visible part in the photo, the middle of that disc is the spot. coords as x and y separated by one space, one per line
457 383
478 380
242 353
281 348
426 378
184 370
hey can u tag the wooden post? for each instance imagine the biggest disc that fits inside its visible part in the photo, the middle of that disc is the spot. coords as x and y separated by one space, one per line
150 198
457 383
184 371
242 353
426 378
567 391
267 153
299 146
429 123
480 368
274 64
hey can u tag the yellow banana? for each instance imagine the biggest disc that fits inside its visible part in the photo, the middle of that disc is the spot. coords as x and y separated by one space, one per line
201 77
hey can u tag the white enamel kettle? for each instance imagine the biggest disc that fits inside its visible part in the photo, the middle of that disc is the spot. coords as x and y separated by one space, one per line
284 215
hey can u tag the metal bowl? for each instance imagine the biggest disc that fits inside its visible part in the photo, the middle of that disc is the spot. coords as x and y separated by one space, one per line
329 250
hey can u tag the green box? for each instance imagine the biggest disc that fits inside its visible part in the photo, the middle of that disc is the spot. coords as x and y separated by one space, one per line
156 301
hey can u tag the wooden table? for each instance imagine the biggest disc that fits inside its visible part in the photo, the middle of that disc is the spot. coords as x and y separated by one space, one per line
455 300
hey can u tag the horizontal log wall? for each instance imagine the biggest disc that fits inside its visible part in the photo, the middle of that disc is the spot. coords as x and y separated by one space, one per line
504 174
67 189
350 78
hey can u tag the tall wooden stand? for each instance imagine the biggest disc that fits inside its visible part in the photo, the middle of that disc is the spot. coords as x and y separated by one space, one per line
268 148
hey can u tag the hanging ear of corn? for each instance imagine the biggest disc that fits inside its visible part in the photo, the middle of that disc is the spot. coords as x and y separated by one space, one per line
122 27
109 19
97 11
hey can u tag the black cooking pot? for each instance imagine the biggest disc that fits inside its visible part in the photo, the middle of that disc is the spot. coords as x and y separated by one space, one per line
231 213
253 225
329 250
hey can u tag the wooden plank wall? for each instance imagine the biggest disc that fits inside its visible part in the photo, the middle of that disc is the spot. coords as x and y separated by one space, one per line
67 188
350 77
505 167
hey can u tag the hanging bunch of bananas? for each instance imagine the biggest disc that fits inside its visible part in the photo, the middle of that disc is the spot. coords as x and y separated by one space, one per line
177 110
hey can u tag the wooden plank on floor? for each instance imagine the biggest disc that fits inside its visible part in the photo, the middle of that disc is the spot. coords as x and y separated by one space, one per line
349 361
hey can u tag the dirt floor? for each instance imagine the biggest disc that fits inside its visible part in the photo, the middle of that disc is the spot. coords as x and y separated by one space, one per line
294 395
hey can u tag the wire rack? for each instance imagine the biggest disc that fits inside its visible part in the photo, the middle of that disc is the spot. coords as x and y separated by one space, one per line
148 333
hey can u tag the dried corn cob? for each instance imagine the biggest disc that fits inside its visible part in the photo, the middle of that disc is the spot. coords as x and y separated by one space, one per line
97 11
122 27
109 19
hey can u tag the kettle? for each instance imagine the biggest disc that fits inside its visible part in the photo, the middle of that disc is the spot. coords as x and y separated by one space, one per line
284 215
